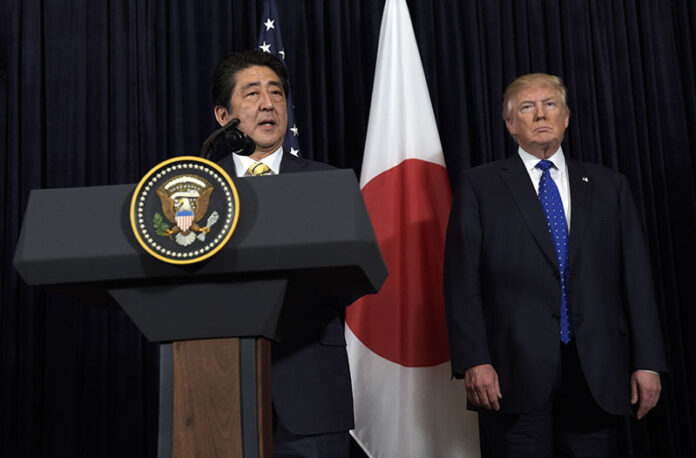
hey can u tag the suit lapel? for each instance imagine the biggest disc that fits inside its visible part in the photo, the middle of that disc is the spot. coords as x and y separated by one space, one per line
580 204
517 180
291 163
227 163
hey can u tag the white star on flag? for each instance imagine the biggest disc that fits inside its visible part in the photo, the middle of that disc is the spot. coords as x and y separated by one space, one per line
265 47
295 131
282 53
269 24
294 151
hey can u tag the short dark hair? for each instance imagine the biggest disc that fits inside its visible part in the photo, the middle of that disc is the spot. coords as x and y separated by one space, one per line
224 76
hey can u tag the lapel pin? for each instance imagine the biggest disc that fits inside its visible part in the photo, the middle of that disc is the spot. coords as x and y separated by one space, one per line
585 179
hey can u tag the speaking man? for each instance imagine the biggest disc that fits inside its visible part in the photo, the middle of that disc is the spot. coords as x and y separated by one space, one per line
311 389
551 314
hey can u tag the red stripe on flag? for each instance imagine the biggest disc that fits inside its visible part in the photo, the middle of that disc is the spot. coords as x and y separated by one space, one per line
405 322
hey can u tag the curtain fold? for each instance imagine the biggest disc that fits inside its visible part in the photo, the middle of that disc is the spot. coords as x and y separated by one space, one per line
96 92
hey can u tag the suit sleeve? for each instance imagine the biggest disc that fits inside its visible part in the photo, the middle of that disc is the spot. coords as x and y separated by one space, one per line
644 323
461 280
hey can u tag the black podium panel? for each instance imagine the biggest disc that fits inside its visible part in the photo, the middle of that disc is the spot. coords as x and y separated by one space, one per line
204 309
296 221
300 232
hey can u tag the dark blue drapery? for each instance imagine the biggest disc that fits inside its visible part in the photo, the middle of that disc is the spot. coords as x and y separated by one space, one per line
96 92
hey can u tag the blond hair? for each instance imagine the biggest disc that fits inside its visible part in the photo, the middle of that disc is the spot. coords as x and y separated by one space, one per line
532 79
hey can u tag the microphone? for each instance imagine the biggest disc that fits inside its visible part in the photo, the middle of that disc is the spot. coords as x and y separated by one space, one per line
227 139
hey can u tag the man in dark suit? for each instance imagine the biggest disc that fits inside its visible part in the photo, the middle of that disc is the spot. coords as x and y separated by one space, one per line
311 389
552 319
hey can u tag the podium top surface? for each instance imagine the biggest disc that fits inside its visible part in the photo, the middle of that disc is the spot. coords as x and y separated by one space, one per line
300 221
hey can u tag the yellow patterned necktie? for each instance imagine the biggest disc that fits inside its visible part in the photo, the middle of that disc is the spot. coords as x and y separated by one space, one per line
258 169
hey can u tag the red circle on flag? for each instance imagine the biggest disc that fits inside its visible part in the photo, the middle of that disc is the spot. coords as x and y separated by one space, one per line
405 322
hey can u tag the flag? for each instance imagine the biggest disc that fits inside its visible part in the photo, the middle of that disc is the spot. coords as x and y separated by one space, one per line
271 42
406 404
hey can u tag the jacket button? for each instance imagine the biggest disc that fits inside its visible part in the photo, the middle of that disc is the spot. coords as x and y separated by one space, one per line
557 275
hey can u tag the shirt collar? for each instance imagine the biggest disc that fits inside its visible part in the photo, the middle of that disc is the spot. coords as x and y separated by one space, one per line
242 163
530 161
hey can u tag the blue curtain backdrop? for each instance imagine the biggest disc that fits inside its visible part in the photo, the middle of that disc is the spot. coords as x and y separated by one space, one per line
96 92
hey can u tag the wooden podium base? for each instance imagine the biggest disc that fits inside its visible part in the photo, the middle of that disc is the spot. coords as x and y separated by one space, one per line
220 399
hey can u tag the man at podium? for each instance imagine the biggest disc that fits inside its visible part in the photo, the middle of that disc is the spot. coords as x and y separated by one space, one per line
311 389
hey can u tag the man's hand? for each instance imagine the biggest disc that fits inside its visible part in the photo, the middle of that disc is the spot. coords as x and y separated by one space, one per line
482 387
645 387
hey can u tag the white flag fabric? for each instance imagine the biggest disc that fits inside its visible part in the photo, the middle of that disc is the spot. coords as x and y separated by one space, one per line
406 404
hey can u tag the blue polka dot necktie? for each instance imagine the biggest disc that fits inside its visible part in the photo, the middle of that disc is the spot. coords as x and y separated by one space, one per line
556 221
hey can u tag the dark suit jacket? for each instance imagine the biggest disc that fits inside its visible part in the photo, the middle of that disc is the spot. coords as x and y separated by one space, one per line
311 386
502 287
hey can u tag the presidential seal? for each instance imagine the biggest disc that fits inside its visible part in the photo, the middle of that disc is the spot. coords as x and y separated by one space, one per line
184 210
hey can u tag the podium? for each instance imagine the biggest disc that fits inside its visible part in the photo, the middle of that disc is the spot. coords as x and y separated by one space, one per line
299 236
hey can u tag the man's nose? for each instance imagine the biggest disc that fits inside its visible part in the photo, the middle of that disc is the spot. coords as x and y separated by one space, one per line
539 111
265 102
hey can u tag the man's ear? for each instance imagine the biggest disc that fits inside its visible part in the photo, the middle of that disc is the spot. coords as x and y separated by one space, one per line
509 123
222 115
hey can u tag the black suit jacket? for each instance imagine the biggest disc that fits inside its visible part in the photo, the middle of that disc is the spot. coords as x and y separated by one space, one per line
311 386
502 287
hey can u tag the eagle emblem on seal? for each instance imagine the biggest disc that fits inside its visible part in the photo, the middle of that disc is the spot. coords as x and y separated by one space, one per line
185 200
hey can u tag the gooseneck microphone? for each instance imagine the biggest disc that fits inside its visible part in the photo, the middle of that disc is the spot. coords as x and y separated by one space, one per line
227 139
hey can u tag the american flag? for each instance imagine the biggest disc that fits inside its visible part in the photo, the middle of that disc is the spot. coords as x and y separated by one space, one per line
270 41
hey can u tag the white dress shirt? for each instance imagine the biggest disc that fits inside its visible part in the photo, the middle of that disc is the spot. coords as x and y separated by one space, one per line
559 175
242 163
